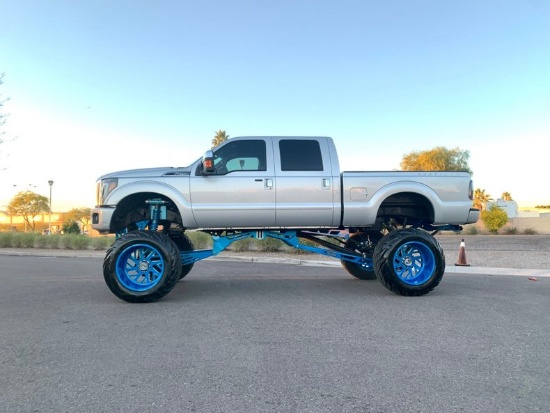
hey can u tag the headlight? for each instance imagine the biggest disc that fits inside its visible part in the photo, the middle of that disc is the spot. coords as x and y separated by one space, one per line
104 188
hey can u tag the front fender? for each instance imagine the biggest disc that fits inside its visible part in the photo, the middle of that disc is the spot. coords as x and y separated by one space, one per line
179 196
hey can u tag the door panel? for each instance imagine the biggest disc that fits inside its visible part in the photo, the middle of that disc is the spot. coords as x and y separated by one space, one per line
242 193
304 188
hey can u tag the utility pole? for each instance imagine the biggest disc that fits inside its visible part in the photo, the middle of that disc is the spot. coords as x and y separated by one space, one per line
50 182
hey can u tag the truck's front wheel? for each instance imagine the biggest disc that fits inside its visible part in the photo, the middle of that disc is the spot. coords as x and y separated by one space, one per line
142 266
409 262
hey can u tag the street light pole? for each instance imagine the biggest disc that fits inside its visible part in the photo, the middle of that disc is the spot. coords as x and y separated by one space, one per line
50 182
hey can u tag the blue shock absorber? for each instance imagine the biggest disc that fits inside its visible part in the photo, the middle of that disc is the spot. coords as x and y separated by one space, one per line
158 212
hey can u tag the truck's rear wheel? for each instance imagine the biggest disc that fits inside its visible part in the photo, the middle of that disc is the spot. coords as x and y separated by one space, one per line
184 244
142 266
409 262
363 242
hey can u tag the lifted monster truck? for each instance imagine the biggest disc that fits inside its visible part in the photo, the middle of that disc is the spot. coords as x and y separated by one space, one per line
379 224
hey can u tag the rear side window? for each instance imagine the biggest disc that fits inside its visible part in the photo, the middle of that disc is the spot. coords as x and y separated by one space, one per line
300 155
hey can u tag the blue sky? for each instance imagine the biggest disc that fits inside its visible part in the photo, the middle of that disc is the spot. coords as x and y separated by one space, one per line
99 86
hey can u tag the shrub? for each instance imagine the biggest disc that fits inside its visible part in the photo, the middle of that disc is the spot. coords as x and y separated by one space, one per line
494 218
510 230
242 245
529 231
41 241
23 240
269 245
71 227
200 240
6 239
471 230
77 241
101 243
55 241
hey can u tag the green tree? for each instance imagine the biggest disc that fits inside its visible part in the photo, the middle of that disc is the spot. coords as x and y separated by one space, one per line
220 138
79 215
494 218
507 196
437 159
28 205
481 199
71 227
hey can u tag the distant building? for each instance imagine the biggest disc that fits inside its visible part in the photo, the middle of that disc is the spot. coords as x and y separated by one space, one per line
41 222
510 207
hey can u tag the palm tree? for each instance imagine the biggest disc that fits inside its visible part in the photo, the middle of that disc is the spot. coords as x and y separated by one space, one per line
220 137
481 199
507 196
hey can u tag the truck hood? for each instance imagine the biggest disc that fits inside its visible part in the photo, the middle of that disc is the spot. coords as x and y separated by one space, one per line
149 172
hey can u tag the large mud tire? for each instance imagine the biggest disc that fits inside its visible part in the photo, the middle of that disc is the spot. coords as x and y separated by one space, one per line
365 243
142 266
184 244
409 262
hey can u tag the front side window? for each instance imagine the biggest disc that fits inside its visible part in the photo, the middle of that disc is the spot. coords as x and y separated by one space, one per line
249 155
300 155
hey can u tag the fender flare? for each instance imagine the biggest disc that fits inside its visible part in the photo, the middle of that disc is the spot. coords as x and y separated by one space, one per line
145 186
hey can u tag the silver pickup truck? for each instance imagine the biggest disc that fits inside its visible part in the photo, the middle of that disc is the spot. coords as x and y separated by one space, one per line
378 223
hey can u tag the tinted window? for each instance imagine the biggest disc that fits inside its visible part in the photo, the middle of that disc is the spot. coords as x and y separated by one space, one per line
300 155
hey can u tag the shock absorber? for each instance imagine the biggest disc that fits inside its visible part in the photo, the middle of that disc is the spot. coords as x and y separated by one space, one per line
158 212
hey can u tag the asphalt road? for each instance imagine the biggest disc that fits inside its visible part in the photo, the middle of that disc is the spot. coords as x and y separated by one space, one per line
254 337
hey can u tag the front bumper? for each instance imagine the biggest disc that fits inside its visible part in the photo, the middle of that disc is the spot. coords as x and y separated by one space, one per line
101 218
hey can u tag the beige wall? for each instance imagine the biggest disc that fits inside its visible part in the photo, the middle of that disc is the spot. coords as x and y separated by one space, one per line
540 224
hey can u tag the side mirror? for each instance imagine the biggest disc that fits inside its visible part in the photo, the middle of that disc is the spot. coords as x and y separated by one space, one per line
208 163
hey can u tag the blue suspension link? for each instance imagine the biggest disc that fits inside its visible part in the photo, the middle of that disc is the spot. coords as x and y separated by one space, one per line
290 238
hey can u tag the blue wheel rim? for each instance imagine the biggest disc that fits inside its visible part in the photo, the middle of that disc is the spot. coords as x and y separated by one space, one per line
414 263
140 267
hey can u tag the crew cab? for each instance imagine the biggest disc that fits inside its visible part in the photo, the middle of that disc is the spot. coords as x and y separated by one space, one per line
289 188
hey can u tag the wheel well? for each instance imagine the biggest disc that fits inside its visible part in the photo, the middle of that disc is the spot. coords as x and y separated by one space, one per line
134 208
407 207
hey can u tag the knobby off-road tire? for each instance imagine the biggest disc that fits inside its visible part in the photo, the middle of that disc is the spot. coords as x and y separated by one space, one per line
363 242
142 266
184 244
409 262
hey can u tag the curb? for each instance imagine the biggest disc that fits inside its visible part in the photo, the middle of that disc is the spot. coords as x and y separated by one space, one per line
450 269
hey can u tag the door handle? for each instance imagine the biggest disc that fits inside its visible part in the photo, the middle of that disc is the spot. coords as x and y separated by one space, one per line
326 183
269 183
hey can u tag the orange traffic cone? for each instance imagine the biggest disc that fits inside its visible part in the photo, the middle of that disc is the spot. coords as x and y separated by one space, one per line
462 255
